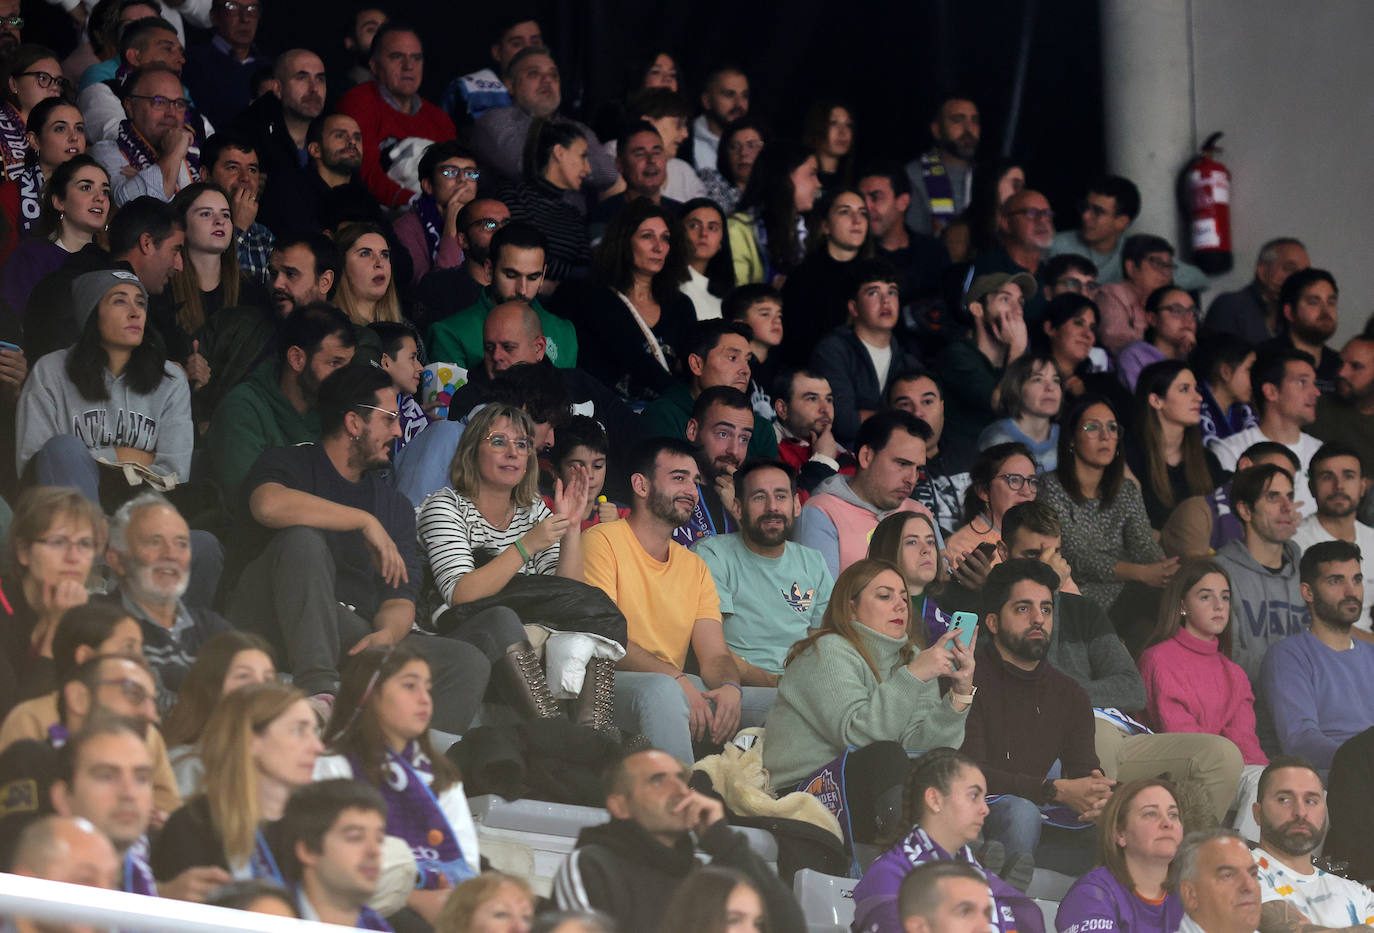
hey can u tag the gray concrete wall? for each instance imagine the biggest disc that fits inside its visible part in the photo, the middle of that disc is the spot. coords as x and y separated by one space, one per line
1292 86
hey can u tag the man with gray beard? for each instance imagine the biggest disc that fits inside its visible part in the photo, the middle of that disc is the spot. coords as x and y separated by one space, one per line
1297 895
150 555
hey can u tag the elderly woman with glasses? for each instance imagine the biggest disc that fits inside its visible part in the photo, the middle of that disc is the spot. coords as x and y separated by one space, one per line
54 537
1107 538
488 526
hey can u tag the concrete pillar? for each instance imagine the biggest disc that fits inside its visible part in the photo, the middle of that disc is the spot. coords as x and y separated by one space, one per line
1147 80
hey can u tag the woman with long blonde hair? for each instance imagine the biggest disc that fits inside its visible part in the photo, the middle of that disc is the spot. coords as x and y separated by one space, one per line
865 678
258 745
366 287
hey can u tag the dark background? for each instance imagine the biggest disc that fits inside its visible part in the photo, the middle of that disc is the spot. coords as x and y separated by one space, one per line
890 60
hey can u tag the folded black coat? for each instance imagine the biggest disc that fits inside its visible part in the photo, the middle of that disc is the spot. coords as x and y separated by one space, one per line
556 603
545 759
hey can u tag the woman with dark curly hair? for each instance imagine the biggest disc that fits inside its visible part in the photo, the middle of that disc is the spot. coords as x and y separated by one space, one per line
630 329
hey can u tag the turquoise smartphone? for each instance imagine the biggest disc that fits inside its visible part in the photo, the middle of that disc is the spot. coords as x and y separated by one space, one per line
965 623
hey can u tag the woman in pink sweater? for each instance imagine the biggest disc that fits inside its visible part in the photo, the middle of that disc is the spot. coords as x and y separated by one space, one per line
1191 683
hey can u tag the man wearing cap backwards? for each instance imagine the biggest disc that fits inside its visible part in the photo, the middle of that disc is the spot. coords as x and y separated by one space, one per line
972 367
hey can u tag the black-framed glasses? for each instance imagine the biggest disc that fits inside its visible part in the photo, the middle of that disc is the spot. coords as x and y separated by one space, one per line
14 22
134 692
1080 286
1181 310
522 445
459 171
64 544
1015 481
1035 214
44 79
391 415
489 223
158 102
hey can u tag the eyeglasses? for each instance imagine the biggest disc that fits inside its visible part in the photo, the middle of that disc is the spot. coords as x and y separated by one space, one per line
44 79
1079 286
1181 310
63 543
158 102
134 692
247 9
14 22
748 145
489 223
1036 214
522 445
1161 263
391 415
457 171
1015 481
1097 427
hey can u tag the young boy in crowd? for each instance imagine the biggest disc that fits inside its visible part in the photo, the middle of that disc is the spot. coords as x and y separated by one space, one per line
401 361
581 444
759 306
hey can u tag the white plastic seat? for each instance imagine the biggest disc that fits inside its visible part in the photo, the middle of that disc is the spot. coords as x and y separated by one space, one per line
826 901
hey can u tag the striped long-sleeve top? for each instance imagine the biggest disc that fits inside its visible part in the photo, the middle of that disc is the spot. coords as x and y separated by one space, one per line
456 539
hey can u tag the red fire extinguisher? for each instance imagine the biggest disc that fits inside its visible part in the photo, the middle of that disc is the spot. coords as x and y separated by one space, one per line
1208 207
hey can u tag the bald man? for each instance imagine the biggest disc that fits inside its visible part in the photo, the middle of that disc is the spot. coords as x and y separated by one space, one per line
512 334
60 848
278 124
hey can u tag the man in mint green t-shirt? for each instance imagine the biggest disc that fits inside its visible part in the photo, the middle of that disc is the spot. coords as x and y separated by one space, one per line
771 590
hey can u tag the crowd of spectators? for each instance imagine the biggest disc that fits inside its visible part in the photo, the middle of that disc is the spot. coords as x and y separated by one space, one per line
347 435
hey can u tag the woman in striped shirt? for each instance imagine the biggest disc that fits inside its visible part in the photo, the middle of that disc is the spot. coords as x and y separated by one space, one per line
490 525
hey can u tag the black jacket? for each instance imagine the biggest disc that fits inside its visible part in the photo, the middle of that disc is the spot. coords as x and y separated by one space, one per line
619 868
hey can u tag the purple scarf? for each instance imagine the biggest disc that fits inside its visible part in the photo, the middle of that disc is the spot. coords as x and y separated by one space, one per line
138 877
431 221
702 525
1216 423
14 144
939 190
30 181
141 153
414 814
875 897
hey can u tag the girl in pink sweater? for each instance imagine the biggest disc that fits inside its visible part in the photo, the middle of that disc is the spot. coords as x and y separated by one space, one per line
1191 683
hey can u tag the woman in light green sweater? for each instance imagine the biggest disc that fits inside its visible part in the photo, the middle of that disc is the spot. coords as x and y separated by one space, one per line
862 678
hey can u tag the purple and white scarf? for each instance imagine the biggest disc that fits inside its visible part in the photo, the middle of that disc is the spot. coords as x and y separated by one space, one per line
138 877
919 848
30 182
431 221
14 143
141 153
414 814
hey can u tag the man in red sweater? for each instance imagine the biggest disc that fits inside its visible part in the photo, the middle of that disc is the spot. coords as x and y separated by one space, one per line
1031 727
397 124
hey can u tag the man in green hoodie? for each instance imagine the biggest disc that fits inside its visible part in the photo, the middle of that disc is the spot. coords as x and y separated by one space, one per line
275 407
